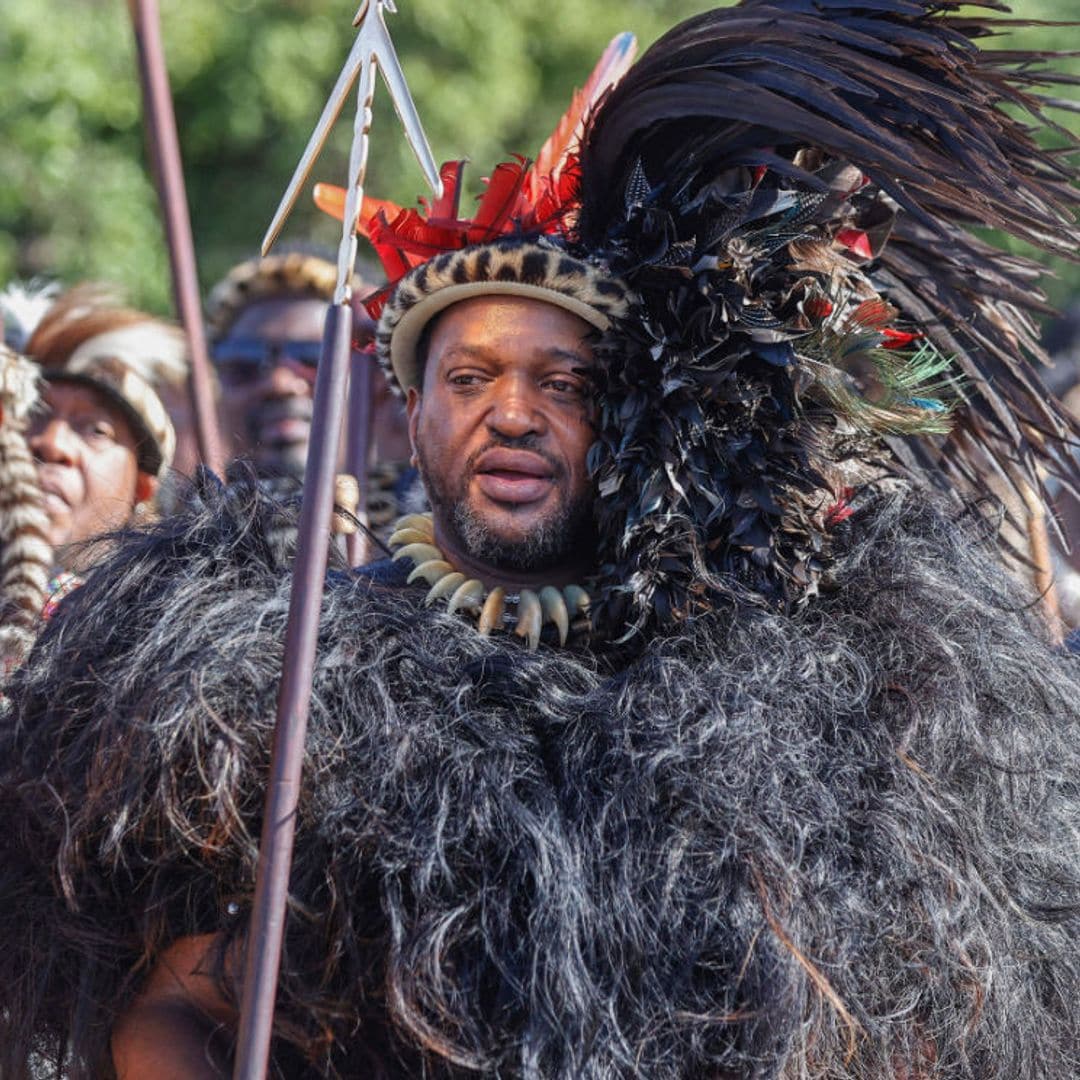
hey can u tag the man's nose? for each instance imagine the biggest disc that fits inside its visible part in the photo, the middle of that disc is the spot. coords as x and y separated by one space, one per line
286 379
515 411
55 443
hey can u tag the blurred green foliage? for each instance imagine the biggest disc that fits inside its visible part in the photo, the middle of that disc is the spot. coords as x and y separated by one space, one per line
250 77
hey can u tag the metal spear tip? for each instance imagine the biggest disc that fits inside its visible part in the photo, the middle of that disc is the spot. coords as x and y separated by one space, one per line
336 102
373 46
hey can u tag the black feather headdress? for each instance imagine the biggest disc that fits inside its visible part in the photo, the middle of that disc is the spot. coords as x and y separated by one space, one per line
794 204
795 190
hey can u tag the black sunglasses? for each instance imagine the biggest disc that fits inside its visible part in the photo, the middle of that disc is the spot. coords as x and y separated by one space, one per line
244 360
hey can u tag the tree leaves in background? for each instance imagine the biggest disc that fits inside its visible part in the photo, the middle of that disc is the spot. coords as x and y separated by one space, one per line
249 79
250 76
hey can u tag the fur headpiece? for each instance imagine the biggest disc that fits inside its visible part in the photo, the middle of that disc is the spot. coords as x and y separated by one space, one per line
788 189
87 337
291 274
504 268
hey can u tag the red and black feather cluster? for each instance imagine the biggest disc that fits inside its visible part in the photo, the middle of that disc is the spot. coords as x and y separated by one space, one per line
789 187
516 201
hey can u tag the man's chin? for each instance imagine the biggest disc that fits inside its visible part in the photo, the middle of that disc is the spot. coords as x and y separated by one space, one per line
286 459
58 537
61 524
518 536
514 523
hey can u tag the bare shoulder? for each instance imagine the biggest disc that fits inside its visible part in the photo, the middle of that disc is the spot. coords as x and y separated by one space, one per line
180 1026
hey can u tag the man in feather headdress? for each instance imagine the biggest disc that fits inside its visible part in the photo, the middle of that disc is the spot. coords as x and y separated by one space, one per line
699 731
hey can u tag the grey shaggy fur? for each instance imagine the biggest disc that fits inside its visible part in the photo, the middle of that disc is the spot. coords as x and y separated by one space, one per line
840 843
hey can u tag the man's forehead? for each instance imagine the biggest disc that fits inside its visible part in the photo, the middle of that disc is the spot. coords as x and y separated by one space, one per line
295 317
487 322
464 349
61 397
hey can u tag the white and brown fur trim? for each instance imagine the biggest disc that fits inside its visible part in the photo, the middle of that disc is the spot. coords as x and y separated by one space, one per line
25 555
140 402
512 267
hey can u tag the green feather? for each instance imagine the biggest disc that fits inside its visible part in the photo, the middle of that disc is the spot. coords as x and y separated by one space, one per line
883 391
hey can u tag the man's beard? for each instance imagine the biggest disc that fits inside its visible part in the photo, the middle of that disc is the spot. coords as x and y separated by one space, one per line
553 541
277 458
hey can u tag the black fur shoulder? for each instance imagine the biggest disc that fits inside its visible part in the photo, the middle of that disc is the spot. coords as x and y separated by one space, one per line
837 843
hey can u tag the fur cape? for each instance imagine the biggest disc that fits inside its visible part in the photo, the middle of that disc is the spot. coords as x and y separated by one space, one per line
839 842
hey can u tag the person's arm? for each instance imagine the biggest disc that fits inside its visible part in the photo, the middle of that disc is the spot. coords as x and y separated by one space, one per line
180 1027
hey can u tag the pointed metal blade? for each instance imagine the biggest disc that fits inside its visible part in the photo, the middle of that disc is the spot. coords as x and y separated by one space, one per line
332 110
394 78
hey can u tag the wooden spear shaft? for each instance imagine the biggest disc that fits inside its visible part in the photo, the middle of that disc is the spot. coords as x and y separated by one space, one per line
1042 560
358 451
268 915
371 49
169 180
267 927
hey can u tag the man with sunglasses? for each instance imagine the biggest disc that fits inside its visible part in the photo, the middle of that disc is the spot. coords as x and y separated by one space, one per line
266 321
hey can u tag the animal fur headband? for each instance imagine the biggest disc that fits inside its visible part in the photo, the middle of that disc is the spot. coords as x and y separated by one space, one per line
784 195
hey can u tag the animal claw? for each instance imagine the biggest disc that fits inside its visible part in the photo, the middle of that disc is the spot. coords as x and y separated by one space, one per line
420 522
555 611
431 571
444 586
492 612
409 536
470 595
530 618
577 599
419 553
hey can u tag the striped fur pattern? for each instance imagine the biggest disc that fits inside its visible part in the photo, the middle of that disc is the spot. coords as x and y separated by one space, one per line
92 320
25 555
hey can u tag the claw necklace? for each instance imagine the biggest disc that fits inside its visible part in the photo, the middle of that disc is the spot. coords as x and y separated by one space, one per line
414 538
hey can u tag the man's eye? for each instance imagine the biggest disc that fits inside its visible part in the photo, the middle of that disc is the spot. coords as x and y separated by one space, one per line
102 430
565 386
238 372
464 380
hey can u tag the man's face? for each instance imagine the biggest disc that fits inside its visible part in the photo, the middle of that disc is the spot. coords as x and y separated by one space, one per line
502 428
267 366
85 450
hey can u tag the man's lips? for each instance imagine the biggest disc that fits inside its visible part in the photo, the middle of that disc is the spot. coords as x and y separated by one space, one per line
283 422
513 476
290 430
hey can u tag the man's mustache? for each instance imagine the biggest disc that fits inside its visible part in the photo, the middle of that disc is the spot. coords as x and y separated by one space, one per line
291 408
